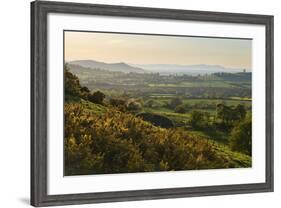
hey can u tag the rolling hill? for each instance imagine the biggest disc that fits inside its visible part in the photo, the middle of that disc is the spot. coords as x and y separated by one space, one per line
121 66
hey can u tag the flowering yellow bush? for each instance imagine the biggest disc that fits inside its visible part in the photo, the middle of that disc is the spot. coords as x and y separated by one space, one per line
118 142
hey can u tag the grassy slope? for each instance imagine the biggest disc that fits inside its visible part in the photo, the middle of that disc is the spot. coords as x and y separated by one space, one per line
93 108
238 159
89 106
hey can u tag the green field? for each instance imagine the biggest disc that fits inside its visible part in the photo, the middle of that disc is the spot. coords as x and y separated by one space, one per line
228 101
196 84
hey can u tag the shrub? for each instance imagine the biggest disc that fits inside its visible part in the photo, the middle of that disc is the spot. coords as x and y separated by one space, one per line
97 97
133 105
180 109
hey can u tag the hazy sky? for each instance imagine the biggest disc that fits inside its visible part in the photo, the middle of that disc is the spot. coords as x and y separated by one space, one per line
148 49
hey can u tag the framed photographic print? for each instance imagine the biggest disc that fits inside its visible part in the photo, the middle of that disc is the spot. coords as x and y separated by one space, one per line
131 103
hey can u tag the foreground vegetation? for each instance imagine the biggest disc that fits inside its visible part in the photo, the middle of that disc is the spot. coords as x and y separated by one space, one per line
117 142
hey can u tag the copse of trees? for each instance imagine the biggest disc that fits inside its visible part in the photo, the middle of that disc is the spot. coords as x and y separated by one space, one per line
228 116
233 119
199 119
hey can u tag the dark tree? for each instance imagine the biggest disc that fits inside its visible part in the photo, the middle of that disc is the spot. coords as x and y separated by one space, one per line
180 109
240 111
85 89
71 84
85 92
97 97
199 119
241 137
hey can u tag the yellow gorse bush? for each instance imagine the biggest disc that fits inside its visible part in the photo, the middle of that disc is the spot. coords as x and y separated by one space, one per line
118 142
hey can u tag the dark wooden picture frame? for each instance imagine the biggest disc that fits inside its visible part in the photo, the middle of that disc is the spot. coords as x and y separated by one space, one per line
39 12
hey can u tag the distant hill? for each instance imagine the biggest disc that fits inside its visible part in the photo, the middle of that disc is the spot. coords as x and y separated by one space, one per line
156 68
122 67
186 69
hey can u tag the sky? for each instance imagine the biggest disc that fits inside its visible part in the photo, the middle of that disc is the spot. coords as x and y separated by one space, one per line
153 49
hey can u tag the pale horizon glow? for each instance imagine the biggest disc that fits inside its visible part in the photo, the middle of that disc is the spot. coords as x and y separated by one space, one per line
156 49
